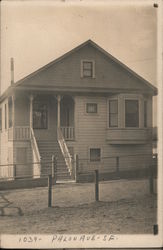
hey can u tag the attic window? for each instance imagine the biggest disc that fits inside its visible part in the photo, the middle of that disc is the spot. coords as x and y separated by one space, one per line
87 69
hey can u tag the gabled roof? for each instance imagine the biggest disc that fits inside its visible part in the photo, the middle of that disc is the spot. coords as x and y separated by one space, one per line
94 45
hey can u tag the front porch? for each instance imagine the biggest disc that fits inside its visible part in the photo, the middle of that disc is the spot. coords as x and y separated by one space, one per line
41 121
43 113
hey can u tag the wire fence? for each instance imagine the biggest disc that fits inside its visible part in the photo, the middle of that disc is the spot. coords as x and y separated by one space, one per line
110 164
50 178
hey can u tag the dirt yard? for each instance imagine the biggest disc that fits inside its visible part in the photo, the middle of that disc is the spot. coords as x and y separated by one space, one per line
124 207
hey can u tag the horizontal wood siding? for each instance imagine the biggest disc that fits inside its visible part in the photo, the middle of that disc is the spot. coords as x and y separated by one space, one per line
29 158
91 132
129 135
5 144
22 111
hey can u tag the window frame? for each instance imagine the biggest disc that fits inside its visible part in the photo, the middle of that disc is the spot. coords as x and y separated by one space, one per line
138 109
91 113
114 99
92 69
40 103
98 159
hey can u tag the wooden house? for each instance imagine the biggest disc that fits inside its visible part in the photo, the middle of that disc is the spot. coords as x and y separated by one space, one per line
85 103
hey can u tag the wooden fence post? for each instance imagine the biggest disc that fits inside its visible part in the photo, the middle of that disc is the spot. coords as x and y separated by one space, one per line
76 167
96 185
117 165
40 165
49 190
14 171
151 187
55 169
53 166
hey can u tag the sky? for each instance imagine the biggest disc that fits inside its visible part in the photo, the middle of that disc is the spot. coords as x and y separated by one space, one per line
37 32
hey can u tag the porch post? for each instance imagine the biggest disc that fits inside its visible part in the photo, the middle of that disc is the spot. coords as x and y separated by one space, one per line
13 111
31 111
58 111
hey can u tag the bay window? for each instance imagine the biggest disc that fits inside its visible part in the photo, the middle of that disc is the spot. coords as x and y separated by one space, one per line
113 113
131 113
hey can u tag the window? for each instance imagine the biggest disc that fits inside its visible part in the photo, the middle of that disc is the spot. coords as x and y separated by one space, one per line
91 108
131 113
40 116
95 154
0 119
10 113
5 116
113 113
145 114
87 69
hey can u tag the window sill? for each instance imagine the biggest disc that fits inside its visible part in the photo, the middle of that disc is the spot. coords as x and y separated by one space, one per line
129 128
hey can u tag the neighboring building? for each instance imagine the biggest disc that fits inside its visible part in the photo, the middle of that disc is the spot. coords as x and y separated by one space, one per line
84 103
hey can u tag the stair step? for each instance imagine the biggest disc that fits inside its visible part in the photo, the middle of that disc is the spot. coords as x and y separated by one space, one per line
47 149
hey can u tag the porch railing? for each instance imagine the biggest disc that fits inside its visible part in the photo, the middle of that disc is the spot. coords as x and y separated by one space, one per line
68 133
19 133
65 151
36 155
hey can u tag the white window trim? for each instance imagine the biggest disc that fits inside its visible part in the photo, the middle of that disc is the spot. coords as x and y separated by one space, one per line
91 102
108 112
95 147
81 68
121 110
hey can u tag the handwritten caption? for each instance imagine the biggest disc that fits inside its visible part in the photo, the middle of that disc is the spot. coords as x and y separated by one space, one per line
59 238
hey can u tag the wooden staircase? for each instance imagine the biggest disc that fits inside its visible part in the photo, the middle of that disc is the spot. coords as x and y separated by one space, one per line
47 148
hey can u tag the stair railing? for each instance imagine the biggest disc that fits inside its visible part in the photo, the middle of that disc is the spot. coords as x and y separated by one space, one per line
36 155
65 151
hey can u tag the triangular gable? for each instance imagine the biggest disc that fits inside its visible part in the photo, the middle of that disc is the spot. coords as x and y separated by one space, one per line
65 72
